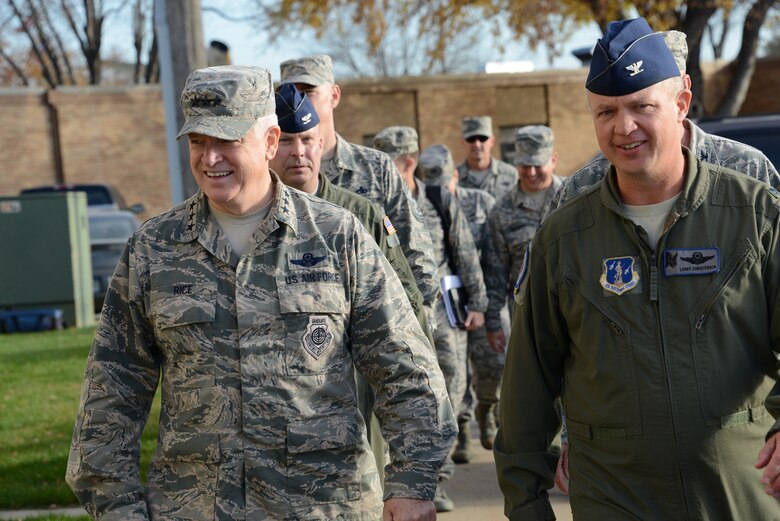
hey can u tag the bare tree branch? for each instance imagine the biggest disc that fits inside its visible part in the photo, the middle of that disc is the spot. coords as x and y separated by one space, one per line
47 75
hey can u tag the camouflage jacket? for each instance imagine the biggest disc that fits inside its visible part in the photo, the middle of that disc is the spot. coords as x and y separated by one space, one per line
709 148
476 205
501 179
258 415
511 225
371 173
381 228
461 243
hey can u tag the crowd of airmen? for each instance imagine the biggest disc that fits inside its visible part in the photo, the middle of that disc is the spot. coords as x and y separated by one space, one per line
284 267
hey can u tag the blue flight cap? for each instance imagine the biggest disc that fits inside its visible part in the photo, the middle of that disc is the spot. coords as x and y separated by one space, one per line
295 112
629 58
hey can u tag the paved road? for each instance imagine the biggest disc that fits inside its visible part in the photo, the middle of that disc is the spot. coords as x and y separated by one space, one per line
474 489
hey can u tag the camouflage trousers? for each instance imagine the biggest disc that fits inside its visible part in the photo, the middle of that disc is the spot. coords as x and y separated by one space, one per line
451 352
485 370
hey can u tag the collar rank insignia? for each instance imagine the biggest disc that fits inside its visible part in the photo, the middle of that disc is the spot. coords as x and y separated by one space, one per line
691 261
619 274
635 68
388 225
362 190
318 337
308 260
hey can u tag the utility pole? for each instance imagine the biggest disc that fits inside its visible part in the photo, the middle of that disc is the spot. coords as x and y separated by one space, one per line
179 26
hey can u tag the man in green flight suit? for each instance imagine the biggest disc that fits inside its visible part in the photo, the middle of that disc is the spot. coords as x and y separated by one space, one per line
649 303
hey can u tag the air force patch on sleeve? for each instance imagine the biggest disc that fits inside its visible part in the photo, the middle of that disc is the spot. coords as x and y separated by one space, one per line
619 274
691 261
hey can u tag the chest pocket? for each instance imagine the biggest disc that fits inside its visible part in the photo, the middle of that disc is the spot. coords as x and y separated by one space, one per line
183 305
315 319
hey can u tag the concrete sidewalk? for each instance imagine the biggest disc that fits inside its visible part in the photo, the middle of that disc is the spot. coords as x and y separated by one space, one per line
474 489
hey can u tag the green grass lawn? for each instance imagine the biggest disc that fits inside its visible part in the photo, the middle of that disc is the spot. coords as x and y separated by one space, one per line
40 384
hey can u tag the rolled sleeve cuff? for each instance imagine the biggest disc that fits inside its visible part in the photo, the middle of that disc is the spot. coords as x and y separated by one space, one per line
417 483
536 510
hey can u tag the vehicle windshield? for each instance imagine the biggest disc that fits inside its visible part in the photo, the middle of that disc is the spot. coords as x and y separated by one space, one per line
106 226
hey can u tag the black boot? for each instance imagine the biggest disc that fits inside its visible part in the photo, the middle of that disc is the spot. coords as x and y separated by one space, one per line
487 424
462 451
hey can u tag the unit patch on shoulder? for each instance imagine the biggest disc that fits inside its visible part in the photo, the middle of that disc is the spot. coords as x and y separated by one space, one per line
318 337
691 261
619 274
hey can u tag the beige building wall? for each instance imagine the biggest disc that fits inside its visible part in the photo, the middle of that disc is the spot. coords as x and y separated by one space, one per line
117 134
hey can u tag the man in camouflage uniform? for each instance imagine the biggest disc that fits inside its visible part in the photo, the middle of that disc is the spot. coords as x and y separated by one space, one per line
365 171
515 218
297 163
707 147
256 336
480 169
453 247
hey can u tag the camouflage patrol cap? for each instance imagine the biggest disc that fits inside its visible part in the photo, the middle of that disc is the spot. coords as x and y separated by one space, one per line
533 145
397 141
225 101
436 166
676 41
311 70
477 126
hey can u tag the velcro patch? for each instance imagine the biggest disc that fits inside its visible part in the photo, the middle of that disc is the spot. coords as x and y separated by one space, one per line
691 261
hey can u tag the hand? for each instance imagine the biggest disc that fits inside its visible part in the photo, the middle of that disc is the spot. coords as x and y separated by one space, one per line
474 320
407 509
562 471
497 341
769 460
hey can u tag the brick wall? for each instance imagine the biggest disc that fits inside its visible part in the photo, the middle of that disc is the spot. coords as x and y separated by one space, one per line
117 135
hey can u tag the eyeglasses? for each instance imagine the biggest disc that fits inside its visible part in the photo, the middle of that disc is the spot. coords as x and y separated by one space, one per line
481 139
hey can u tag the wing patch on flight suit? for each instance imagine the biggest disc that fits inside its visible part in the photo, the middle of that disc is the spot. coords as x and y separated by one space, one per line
318 338
691 261
619 274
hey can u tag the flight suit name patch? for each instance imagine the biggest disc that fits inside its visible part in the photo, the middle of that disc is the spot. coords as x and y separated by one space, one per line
619 274
318 338
691 261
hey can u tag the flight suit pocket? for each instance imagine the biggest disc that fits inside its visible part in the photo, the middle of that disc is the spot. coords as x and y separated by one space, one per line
315 318
727 353
322 460
184 315
183 477
600 382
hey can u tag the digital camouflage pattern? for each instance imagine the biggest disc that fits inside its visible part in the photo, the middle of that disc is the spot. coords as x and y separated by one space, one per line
533 145
383 231
511 225
226 101
397 141
371 174
487 365
312 70
450 343
501 178
259 418
670 388
476 126
707 147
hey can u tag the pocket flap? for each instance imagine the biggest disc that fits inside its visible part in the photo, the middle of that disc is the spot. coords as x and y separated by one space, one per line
311 297
322 433
190 446
183 310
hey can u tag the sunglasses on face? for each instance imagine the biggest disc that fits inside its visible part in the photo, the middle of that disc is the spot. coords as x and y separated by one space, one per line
473 139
